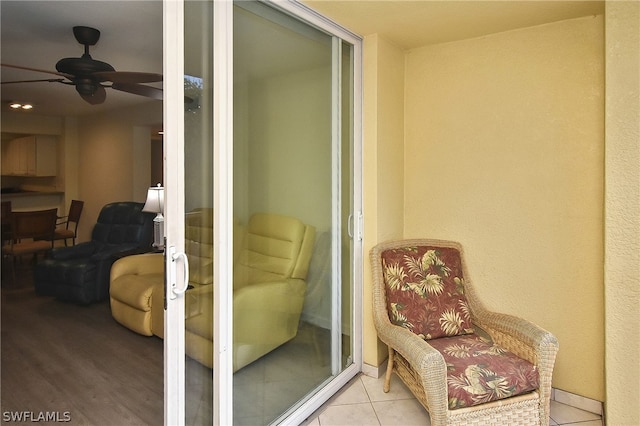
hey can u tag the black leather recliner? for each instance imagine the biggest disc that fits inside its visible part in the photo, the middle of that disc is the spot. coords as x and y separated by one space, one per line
80 273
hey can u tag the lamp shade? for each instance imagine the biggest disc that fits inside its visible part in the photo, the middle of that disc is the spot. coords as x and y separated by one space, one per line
155 200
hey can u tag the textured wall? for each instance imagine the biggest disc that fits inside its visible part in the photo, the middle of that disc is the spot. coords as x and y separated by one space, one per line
383 164
622 237
106 151
504 152
289 149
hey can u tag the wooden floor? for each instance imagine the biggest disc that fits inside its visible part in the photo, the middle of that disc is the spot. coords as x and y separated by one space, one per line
75 361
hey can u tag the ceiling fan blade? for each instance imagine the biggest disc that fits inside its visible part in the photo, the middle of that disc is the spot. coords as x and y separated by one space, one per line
50 80
99 96
139 89
127 77
20 67
148 91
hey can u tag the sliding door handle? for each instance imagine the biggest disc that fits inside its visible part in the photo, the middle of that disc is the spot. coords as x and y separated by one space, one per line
173 282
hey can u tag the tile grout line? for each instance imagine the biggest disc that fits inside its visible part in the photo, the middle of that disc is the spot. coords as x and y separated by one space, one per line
375 413
369 398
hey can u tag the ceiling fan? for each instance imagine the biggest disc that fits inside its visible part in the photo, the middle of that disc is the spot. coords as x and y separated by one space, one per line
89 75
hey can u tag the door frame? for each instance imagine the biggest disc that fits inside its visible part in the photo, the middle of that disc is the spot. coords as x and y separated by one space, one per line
173 145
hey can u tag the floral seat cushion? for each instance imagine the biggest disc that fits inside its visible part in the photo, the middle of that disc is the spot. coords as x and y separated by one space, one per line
479 371
424 288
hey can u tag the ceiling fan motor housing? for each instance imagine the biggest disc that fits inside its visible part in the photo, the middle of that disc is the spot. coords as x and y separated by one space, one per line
86 35
82 68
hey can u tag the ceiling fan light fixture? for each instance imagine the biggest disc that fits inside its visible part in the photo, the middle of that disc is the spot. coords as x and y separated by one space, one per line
86 86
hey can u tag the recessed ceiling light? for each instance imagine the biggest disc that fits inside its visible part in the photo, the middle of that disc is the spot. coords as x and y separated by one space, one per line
19 105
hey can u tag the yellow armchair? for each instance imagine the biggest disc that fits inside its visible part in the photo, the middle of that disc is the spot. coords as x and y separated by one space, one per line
136 288
271 258
136 283
269 288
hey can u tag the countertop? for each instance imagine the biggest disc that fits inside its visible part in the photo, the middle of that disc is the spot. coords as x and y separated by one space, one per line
21 194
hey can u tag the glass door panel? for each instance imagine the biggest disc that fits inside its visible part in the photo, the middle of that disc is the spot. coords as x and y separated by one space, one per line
271 321
349 221
292 212
198 208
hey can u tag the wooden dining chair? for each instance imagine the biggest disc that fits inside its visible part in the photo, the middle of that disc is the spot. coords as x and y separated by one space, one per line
26 229
70 222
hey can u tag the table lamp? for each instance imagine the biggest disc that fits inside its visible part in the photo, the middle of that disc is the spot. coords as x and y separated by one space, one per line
155 204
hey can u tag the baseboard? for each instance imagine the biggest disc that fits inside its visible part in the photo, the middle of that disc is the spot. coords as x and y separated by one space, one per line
374 371
316 320
577 401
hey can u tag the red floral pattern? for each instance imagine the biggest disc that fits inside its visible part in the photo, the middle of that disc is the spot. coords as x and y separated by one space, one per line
479 371
425 291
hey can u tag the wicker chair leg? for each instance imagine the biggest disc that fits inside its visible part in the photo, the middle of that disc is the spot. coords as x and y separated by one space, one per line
387 378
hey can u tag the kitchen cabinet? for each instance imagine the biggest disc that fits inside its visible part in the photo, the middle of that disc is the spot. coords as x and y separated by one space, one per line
30 156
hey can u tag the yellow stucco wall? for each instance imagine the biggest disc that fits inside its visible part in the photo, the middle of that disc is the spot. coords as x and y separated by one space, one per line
622 235
504 153
383 166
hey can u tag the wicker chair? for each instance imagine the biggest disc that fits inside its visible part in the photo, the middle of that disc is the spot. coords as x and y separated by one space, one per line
422 367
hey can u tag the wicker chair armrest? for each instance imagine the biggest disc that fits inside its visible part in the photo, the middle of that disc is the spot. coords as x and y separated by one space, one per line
528 341
426 361
521 337
413 348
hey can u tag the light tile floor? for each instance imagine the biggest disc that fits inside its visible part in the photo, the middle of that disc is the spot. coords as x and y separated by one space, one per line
362 402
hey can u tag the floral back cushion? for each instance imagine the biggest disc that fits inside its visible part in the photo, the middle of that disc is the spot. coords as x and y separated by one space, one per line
479 371
425 291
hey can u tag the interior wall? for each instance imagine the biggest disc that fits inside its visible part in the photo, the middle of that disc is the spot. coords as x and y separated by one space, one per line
157 161
68 164
241 148
383 167
107 159
504 153
289 147
31 124
141 168
622 236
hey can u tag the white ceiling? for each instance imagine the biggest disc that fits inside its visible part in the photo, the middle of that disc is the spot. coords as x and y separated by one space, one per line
38 33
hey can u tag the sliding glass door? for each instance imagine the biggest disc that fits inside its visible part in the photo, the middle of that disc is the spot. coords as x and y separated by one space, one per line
265 326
